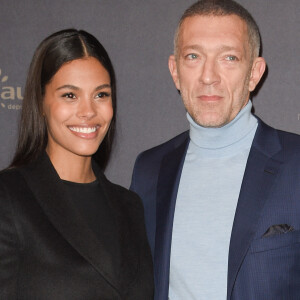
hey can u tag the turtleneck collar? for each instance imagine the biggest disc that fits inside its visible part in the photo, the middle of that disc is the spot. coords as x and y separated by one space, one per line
231 133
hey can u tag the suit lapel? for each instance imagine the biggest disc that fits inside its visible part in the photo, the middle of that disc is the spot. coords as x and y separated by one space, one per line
167 187
260 174
48 190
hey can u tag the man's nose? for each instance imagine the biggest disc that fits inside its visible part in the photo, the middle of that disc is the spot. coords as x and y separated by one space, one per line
209 72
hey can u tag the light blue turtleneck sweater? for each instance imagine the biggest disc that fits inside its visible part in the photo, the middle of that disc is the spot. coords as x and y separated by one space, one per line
208 192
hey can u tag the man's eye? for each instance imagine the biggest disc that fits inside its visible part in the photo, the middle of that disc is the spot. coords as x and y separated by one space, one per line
69 95
103 95
231 58
192 56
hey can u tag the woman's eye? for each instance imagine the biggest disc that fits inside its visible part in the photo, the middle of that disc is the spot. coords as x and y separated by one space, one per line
103 95
69 95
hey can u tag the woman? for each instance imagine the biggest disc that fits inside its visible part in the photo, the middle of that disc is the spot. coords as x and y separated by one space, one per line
66 232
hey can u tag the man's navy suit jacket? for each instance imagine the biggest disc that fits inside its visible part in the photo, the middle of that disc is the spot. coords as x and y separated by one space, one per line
258 267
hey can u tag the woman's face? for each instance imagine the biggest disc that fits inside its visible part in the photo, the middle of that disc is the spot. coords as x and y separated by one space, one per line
78 108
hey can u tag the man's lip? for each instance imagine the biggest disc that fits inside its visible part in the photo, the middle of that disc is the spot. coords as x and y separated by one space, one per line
210 97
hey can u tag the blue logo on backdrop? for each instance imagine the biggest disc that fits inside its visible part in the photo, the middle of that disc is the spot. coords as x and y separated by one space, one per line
10 95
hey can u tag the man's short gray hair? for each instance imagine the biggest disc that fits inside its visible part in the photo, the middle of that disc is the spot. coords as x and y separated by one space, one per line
222 8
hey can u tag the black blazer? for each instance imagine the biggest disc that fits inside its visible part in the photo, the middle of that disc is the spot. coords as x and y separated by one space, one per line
47 251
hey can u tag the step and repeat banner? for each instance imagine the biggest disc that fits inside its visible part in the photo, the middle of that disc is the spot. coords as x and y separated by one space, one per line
138 36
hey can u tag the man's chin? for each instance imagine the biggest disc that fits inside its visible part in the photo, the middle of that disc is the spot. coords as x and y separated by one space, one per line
211 122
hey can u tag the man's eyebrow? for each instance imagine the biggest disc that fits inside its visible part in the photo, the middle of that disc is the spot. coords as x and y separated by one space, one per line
229 48
200 48
192 47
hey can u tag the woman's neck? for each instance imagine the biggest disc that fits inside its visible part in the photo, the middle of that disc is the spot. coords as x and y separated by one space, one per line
72 167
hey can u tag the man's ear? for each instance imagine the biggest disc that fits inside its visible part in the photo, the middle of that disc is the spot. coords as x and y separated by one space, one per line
173 71
257 71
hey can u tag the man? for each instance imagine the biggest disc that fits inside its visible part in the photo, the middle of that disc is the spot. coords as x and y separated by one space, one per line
222 201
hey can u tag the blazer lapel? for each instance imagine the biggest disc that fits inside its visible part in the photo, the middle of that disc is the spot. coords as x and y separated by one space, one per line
167 187
48 190
260 174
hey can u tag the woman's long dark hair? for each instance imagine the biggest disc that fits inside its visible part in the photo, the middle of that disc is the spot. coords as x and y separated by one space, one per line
51 54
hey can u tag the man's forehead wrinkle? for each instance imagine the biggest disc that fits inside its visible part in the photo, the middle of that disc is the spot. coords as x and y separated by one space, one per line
192 33
186 26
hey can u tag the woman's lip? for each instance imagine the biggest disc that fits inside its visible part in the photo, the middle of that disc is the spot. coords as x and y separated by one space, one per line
210 97
84 131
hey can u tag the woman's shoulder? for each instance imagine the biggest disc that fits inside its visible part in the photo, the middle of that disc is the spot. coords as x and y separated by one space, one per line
117 189
10 175
128 199
12 184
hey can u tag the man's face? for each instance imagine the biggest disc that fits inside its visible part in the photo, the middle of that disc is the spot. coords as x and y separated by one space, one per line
214 69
